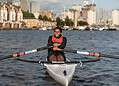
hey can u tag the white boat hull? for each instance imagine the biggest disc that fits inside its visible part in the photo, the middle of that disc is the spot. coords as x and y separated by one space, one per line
62 73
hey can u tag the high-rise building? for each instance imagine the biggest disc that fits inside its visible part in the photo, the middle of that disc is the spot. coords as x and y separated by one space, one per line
103 15
24 5
34 8
76 12
91 19
88 13
115 17
91 14
73 13
66 13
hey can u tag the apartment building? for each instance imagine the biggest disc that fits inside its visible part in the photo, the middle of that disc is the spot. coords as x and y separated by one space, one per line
10 16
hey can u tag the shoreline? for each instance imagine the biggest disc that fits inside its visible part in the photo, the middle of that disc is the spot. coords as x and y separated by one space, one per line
63 29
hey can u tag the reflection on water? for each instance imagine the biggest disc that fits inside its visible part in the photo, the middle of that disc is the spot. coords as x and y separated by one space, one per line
16 73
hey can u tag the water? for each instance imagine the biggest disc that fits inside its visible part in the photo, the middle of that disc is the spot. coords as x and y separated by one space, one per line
16 73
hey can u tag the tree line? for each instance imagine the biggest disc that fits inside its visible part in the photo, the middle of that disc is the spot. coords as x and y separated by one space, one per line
60 22
69 22
28 15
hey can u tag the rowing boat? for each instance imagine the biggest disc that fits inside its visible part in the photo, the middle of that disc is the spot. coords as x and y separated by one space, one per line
62 73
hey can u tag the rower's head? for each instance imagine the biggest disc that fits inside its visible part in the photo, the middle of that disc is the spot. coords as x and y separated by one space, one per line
57 31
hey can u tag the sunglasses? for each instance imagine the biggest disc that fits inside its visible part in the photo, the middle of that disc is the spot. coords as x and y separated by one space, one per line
57 31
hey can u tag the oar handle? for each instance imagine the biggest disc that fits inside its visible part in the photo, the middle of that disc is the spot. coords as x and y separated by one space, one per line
85 53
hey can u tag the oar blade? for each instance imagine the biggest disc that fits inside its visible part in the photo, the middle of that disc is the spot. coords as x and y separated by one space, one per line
110 56
6 57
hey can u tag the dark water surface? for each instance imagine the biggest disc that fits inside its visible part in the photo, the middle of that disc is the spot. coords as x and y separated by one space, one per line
16 73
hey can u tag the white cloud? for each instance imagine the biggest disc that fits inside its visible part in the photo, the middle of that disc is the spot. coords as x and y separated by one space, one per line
52 1
60 4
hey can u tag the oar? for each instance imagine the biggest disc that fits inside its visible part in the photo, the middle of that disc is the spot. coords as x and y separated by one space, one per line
92 53
24 53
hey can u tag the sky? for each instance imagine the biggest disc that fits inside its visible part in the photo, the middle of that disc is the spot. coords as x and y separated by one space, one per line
60 4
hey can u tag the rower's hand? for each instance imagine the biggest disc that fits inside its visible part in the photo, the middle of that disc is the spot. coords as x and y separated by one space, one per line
56 44
56 49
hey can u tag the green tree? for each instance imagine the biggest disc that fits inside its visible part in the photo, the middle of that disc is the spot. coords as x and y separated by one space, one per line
82 23
60 22
27 15
68 22
45 18
49 19
40 17
71 23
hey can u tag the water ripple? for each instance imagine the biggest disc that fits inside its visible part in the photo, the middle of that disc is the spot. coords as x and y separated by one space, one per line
16 73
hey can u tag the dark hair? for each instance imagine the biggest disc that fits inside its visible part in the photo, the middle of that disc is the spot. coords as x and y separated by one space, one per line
58 28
